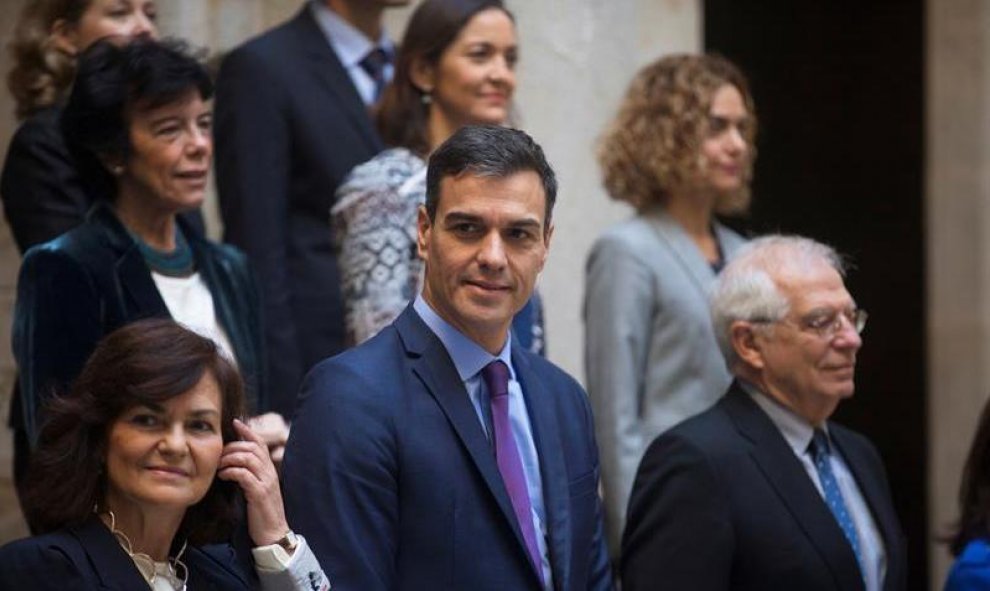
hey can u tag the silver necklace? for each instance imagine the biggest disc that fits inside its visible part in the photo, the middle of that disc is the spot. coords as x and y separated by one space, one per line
146 564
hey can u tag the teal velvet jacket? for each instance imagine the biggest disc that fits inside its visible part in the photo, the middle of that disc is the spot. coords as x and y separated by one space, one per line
91 280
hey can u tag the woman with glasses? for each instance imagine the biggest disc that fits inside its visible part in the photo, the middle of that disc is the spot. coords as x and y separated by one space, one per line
680 151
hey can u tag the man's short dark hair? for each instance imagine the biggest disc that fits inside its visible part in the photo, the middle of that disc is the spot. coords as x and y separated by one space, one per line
488 151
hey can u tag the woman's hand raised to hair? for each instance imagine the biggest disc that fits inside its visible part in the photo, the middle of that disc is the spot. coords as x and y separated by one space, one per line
248 463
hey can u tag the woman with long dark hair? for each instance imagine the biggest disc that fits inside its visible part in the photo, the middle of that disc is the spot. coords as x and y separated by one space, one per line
138 475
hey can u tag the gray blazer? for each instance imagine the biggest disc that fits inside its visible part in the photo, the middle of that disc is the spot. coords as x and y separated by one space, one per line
650 352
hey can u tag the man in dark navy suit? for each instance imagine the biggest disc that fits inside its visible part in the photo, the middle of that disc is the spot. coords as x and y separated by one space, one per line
439 454
762 491
291 122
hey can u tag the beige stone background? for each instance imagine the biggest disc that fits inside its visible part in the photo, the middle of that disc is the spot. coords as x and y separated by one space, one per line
577 57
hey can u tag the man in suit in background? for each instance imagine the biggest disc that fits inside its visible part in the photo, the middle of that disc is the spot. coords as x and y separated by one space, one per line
291 122
439 454
762 491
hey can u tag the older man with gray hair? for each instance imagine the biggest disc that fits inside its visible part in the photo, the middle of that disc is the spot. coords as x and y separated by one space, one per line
762 491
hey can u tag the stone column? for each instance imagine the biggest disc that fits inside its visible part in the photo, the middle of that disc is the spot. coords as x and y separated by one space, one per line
958 228
577 58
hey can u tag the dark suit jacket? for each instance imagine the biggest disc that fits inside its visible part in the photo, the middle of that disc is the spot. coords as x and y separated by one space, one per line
88 557
289 127
41 190
92 280
392 480
721 502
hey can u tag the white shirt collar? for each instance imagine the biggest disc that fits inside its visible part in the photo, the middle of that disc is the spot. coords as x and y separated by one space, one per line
796 431
468 356
350 44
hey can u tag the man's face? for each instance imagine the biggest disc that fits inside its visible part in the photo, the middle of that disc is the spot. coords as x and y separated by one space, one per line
483 251
808 367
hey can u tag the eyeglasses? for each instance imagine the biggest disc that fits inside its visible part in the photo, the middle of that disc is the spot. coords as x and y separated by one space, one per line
828 323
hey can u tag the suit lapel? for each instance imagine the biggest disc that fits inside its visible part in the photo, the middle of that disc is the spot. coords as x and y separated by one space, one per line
549 450
684 251
112 565
133 277
872 489
432 365
326 67
796 490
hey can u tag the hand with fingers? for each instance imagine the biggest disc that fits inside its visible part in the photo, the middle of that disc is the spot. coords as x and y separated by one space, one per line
274 431
248 463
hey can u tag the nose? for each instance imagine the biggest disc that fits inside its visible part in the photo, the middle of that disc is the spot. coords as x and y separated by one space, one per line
846 337
173 442
200 143
144 27
502 72
735 140
491 255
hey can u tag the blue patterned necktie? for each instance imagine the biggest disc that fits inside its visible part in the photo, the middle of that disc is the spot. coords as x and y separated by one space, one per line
374 65
820 453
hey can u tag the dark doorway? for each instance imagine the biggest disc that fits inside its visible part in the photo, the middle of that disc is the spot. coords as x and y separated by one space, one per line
839 93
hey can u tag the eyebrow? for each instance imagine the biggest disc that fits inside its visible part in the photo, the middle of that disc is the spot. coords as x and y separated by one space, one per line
458 216
158 408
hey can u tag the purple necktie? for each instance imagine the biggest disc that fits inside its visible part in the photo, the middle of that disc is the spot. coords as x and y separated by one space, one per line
496 376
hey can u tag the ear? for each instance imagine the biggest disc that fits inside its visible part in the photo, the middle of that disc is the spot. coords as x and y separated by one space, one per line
746 343
423 75
423 230
63 36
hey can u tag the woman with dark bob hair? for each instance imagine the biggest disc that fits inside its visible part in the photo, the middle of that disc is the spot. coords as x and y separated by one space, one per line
680 151
139 125
40 186
142 465
970 543
455 67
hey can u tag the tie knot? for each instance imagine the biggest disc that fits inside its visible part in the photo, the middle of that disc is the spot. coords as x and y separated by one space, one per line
819 445
496 376
374 62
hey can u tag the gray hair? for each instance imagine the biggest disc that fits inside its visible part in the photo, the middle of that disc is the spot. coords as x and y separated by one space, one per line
746 288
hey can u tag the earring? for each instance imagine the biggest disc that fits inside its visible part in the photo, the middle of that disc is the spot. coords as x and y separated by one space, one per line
117 169
426 98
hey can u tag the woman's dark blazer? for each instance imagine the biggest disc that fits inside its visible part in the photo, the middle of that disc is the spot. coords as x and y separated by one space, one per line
42 193
92 280
88 557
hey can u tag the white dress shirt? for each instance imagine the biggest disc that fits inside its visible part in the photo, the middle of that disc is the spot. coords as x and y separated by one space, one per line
351 46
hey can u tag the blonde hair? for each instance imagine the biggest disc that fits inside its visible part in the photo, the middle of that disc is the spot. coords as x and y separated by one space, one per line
42 73
651 147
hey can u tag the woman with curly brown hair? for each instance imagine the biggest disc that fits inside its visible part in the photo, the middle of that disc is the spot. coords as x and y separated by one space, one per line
40 187
680 150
